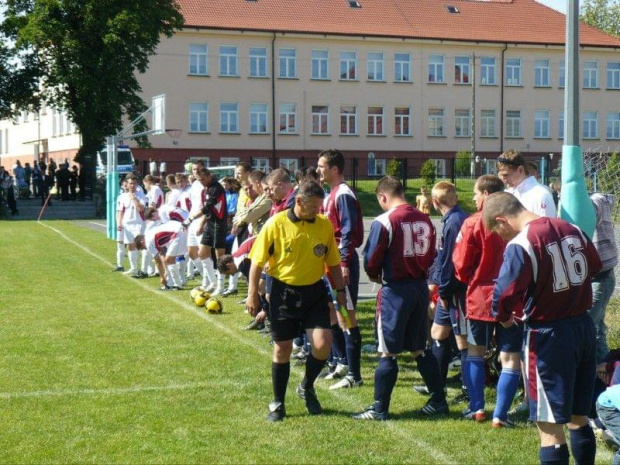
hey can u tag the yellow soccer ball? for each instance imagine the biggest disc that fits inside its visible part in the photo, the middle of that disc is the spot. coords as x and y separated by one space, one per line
202 298
195 292
214 306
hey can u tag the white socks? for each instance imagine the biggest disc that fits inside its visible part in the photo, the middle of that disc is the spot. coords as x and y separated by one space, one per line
133 260
208 273
120 254
174 275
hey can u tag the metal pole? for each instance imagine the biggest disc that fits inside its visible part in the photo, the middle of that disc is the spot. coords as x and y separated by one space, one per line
111 187
473 115
576 206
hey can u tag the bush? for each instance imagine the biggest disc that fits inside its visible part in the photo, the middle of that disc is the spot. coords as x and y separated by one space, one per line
428 172
393 168
463 164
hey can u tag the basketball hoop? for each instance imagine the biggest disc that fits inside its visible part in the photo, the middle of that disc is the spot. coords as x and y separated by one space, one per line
174 135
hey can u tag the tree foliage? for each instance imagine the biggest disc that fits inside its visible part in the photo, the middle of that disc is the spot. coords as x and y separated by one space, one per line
602 14
393 168
428 172
18 78
90 52
463 163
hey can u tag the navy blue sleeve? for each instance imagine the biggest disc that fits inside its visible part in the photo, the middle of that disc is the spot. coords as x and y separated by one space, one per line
448 284
347 211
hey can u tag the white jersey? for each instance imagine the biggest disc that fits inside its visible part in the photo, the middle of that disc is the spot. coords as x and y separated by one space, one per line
173 197
168 213
131 214
167 238
156 197
534 197
196 196
184 200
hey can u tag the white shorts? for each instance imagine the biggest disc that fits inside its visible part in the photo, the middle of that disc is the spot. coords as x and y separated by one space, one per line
131 231
177 246
193 238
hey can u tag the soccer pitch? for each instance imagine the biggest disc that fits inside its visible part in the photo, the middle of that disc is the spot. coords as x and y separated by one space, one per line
98 367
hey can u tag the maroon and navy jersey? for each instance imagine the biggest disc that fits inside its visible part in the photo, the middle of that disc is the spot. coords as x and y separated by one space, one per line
214 199
287 202
343 210
400 245
546 273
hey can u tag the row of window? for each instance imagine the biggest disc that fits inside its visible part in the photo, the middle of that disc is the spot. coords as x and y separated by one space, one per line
401 120
401 67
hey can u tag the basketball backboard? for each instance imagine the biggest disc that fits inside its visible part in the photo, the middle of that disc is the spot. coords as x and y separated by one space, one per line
158 113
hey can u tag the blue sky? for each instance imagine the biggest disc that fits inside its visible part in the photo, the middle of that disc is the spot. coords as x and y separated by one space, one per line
559 5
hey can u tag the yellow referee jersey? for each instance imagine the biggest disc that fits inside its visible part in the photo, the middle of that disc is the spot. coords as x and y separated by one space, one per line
296 250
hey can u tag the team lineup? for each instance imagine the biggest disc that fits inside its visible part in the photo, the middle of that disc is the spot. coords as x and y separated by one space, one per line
510 274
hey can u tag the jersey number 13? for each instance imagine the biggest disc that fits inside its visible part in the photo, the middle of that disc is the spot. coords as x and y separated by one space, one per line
416 238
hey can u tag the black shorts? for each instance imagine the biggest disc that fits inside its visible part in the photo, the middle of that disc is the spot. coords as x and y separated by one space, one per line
214 234
294 307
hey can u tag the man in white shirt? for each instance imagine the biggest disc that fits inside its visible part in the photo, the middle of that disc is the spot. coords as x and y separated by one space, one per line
130 220
512 169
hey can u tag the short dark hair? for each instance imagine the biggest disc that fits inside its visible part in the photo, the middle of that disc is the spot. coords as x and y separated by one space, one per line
510 158
279 175
334 158
222 263
500 204
489 183
245 165
391 186
150 213
257 176
309 188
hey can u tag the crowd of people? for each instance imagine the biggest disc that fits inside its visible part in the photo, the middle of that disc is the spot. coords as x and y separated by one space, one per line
510 276
36 181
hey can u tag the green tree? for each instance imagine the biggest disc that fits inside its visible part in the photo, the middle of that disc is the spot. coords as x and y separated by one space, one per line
463 163
90 52
428 173
393 168
18 78
608 177
602 14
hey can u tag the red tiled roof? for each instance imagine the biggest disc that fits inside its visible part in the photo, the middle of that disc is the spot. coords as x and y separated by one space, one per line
510 21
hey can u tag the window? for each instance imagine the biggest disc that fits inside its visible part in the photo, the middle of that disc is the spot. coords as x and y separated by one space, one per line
288 118
375 121
198 60
258 118
562 74
198 117
613 75
287 63
435 122
541 73
613 125
435 68
25 116
58 127
320 59
228 117
348 120
228 60
402 121
513 72
541 124
462 122
348 66
590 125
375 66
291 164
487 123
1 143
402 67
260 164
440 168
487 71
590 75
461 70
228 161
513 123
376 167
561 127
320 115
258 62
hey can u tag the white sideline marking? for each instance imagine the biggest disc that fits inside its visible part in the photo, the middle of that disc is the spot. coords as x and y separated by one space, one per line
439 456
102 392
103 225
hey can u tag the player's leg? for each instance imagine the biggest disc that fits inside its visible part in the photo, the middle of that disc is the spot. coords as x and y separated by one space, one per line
129 237
120 253
339 354
204 253
610 417
219 245
392 322
440 332
459 328
510 344
553 449
478 338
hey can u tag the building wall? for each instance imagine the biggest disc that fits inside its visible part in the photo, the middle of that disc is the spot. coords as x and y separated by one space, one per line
169 73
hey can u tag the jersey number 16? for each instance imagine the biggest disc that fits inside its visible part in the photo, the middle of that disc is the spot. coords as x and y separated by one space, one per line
570 266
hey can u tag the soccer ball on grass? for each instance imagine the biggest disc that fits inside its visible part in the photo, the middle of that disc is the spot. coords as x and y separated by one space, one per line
214 306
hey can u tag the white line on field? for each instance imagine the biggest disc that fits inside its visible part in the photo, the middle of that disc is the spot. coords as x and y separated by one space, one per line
103 225
438 455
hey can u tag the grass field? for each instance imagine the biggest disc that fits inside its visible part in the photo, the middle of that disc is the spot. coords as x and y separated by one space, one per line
101 368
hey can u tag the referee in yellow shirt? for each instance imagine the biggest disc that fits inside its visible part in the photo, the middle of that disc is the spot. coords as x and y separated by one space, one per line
296 245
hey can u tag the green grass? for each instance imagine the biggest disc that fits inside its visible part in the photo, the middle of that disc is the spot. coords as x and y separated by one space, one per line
370 208
101 368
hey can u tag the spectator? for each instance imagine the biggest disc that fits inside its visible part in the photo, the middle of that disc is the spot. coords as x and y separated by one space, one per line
28 177
63 177
73 181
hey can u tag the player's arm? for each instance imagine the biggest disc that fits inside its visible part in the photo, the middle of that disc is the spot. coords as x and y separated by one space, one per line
375 250
514 278
466 254
261 250
446 266
119 218
332 260
347 213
